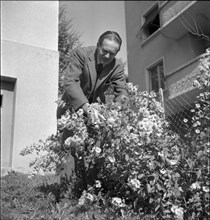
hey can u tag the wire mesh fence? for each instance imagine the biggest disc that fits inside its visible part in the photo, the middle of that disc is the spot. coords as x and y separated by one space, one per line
178 109
179 99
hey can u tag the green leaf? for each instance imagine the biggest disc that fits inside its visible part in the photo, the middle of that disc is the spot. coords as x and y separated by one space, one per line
160 187
157 207
98 143
199 173
140 176
148 188
177 175
151 200
199 153
191 163
68 167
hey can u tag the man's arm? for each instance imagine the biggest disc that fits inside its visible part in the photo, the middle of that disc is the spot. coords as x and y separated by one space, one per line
72 86
119 82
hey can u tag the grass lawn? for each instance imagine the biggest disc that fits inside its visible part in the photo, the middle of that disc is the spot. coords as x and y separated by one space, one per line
23 198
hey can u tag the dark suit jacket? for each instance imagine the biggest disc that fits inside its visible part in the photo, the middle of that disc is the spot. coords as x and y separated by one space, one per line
81 84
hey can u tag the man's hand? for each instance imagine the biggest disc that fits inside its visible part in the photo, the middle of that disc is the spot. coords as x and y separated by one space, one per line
85 107
122 101
91 113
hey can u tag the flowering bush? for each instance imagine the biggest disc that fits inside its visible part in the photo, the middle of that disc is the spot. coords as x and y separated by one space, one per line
202 80
141 167
197 149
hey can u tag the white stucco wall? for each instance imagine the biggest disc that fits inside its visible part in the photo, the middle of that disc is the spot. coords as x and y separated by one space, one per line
36 71
29 54
30 22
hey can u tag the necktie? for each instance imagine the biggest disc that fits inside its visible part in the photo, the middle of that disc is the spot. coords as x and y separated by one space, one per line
99 68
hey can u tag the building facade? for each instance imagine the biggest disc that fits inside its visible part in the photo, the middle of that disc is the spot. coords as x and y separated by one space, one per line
165 40
29 78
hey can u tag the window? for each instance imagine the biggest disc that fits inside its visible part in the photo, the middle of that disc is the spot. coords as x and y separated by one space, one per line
156 76
151 22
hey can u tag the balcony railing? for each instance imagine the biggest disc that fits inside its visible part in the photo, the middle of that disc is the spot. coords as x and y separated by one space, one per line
172 9
180 93
180 81
180 17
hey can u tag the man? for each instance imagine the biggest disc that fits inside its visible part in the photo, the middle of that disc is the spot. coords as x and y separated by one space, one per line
90 73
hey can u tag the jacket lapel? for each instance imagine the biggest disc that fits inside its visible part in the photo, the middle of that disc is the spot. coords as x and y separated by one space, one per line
104 74
93 73
92 69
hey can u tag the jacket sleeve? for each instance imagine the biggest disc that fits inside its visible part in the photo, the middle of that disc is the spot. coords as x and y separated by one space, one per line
119 82
72 86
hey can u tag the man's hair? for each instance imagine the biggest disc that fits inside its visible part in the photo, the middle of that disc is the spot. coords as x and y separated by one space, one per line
111 35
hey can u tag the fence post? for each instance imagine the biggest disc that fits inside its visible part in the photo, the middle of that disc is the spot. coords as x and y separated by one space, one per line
162 100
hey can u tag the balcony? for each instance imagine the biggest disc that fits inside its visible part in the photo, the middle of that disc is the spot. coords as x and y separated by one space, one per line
176 17
180 93
180 80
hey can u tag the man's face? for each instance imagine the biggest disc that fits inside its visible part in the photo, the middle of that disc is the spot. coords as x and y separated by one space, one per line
107 51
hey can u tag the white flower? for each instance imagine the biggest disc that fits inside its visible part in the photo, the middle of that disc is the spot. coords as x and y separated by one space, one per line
94 115
114 113
32 174
205 189
135 183
81 201
196 83
97 150
172 162
129 128
63 120
173 208
90 197
111 120
98 184
161 154
178 211
198 123
85 196
111 159
68 141
118 202
197 131
197 105
185 120
80 112
162 171
74 116
180 189
195 185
